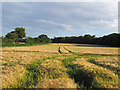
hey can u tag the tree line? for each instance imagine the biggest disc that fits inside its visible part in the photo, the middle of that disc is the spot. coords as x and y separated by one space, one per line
108 40
19 35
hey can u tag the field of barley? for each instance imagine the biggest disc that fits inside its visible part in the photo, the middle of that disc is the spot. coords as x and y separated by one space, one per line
59 65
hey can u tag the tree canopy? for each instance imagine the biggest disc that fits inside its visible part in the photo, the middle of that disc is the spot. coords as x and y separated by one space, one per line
18 35
11 35
109 40
20 32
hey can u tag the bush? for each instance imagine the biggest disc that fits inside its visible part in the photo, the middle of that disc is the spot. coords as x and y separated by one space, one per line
29 40
7 41
42 39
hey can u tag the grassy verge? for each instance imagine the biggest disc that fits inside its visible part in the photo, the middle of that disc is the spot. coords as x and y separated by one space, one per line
18 51
19 45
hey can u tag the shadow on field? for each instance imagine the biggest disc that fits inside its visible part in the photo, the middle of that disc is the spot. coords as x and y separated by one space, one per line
81 77
116 70
91 45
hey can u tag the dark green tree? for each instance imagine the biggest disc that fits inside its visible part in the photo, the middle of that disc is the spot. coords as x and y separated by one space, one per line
13 36
20 32
17 35
44 39
108 40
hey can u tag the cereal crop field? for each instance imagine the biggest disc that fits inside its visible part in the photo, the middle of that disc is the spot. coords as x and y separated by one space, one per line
59 65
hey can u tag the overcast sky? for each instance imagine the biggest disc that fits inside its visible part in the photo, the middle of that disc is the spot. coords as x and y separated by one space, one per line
60 19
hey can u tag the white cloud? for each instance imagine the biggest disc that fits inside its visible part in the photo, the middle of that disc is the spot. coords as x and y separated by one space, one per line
54 24
103 24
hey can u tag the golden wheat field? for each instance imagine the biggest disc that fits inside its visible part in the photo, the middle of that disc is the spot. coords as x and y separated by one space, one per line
60 66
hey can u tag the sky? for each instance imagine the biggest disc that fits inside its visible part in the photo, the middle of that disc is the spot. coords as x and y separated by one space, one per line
60 18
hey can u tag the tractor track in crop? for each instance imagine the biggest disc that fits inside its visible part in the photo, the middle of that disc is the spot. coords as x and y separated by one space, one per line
74 66
87 84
